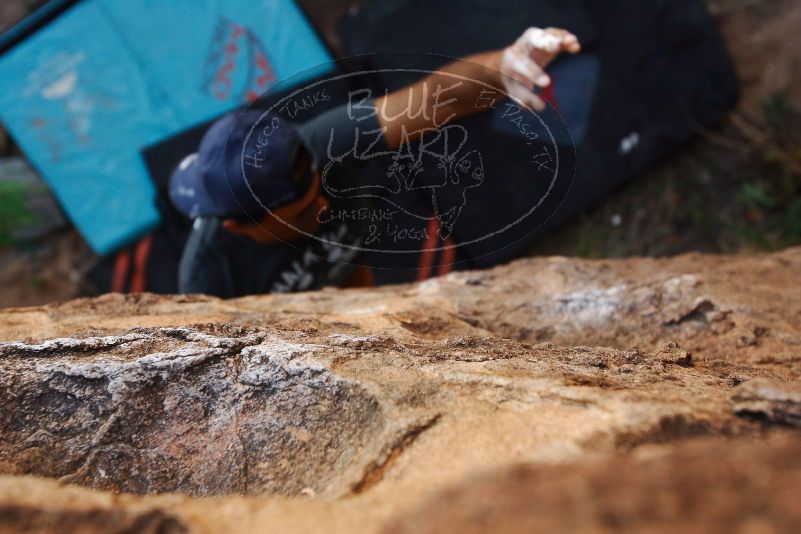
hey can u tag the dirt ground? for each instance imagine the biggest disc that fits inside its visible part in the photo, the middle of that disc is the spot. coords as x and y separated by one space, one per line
734 190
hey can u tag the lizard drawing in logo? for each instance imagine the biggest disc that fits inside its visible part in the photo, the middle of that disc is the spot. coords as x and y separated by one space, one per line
236 66
435 164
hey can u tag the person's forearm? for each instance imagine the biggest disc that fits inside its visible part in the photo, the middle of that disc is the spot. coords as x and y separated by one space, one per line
474 84
452 92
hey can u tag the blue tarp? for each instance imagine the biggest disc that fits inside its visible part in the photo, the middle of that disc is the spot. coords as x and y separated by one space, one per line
85 93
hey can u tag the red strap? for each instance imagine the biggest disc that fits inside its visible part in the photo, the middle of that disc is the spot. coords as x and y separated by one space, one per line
548 96
140 264
362 277
120 272
448 255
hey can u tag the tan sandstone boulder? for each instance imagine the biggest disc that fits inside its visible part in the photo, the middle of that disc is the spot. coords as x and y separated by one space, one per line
547 395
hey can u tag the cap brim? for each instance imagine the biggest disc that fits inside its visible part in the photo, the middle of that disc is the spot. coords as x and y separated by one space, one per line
188 192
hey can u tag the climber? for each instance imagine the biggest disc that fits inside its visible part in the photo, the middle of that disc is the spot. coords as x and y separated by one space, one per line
297 173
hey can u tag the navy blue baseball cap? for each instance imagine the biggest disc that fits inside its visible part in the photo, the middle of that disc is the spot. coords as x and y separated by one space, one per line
211 182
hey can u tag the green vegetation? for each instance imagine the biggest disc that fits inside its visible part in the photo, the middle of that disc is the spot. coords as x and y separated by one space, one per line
13 211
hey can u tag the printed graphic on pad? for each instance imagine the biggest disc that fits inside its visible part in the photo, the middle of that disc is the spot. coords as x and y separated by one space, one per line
58 81
237 66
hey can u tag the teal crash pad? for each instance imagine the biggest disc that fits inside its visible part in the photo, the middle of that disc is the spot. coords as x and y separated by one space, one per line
84 94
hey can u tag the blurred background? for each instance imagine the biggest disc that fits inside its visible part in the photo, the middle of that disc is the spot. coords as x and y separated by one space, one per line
734 188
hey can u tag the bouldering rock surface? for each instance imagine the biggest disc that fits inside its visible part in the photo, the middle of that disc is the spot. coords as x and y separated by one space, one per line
772 401
550 394
681 489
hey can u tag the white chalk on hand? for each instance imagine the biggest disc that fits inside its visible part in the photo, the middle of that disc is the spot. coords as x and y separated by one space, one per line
539 38
521 72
